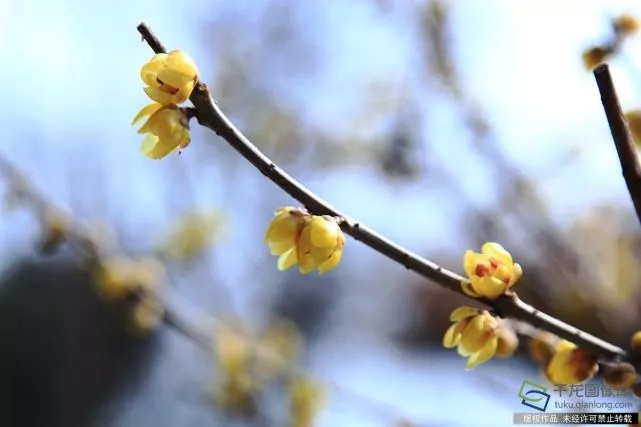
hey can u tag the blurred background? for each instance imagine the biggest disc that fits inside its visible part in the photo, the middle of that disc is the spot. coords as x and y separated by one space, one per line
440 124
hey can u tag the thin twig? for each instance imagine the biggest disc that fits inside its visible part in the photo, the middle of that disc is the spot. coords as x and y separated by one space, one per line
623 141
209 115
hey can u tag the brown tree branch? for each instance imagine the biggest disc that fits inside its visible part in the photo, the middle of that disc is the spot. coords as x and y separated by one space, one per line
209 115
623 141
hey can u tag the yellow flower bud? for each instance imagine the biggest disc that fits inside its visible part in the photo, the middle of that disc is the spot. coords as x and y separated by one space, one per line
475 334
594 56
626 25
170 78
570 365
508 342
491 272
620 376
311 241
541 346
167 128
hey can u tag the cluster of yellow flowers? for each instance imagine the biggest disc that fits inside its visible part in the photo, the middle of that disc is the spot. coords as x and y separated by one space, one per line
170 79
479 335
313 242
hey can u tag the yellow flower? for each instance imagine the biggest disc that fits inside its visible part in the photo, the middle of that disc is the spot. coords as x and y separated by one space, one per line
626 25
170 77
492 272
475 333
167 130
570 365
595 56
311 241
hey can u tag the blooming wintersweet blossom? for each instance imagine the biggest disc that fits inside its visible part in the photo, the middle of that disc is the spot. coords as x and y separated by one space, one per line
475 333
570 364
170 77
311 241
167 130
491 273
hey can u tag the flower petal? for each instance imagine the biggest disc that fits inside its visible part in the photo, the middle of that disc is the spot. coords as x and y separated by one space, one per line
287 260
451 338
147 110
462 312
281 246
482 356
494 250
330 262
469 262
159 96
158 149
517 273
149 71
323 232
305 263
468 289
491 287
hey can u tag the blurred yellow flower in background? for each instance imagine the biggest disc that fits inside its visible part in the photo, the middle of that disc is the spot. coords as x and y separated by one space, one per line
191 234
570 364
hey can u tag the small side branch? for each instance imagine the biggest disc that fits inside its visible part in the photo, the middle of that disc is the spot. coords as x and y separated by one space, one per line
621 135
